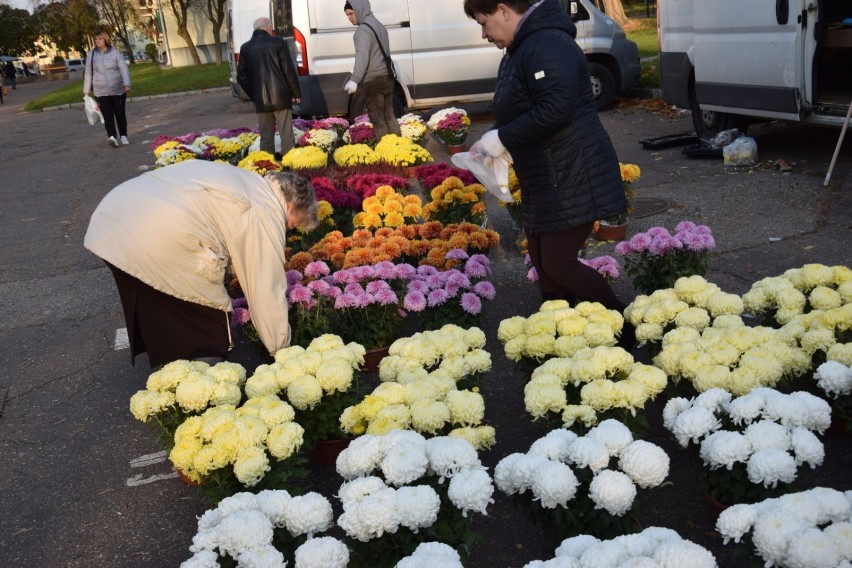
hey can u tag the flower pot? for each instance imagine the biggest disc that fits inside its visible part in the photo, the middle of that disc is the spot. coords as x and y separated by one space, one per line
183 477
456 148
326 451
611 232
373 357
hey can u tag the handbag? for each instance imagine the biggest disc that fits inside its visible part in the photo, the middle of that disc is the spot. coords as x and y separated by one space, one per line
388 60
93 112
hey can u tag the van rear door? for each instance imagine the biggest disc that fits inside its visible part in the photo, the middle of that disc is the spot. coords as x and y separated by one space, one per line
749 55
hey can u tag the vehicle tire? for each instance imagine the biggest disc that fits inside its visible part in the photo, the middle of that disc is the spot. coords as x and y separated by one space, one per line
709 123
603 85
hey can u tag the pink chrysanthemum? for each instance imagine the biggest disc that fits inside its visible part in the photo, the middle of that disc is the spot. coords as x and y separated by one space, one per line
437 297
414 301
471 303
532 275
293 277
404 271
457 254
458 279
240 316
316 269
485 289
386 297
426 270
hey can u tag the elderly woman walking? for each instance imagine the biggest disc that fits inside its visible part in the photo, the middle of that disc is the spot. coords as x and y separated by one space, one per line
168 237
565 161
107 76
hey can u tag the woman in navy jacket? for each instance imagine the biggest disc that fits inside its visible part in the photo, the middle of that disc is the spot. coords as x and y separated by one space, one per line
546 119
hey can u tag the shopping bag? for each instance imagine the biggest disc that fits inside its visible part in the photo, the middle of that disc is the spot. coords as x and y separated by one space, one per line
494 176
93 112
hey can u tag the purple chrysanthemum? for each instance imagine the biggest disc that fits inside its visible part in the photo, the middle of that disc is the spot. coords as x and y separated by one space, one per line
386 270
386 297
640 242
426 270
353 288
293 277
485 289
471 303
456 254
654 232
345 301
239 302
687 226
418 286
316 269
363 300
475 269
456 278
300 294
622 248
240 316
436 280
405 271
532 275
437 297
414 301
377 286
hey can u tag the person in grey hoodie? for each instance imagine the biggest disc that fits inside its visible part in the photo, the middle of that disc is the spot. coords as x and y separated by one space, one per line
107 75
371 73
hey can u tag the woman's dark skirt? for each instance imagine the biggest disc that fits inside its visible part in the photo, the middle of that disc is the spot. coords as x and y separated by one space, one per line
168 328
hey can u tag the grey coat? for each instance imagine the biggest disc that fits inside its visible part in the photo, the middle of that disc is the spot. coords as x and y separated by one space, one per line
106 73
369 62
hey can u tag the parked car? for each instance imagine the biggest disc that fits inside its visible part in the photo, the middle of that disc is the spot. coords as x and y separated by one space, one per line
438 52
74 65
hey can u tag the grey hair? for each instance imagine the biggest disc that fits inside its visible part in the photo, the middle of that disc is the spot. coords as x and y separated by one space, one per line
299 193
262 23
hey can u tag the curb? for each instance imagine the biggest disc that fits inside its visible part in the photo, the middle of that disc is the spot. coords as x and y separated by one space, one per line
143 98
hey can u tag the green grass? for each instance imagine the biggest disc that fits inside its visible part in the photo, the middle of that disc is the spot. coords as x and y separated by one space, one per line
646 39
643 31
148 79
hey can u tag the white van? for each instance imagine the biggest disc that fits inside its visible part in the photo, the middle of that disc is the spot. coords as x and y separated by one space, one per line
735 62
74 65
439 54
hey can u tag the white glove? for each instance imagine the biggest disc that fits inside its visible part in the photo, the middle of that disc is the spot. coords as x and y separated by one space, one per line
490 144
350 87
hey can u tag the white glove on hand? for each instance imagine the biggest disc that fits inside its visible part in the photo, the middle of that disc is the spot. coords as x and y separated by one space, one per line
490 144
350 87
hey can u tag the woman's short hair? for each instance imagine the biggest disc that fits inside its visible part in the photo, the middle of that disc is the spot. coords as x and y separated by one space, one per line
488 7
298 192
107 39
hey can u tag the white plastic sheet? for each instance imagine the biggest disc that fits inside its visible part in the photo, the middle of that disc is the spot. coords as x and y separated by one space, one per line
93 112
494 176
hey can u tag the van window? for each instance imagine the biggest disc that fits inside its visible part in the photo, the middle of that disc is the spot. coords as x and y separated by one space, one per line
282 18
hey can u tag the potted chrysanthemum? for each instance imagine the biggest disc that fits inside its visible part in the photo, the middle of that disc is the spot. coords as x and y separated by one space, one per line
808 529
574 485
387 208
752 445
453 201
413 127
401 152
402 489
656 258
451 126
834 380
305 158
615 228
271 528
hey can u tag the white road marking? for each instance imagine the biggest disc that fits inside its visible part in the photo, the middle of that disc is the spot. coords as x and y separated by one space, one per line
138 479
148 459
144 461
122 341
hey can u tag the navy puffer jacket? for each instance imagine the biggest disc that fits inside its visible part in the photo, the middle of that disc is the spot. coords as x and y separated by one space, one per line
546 117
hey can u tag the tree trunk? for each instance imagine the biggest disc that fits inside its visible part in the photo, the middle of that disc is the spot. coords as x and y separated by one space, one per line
217 43
615 10
190 45
180 8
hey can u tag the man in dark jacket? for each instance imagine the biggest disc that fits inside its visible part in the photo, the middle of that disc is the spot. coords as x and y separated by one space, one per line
267 75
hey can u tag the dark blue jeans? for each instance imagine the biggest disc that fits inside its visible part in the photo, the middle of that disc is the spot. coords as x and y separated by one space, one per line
112 107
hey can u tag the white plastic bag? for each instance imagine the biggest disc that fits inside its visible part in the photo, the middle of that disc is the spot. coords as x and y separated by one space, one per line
93 112
497 185
740 152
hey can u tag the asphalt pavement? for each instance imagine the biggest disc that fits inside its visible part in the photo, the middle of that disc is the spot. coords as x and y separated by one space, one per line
84 484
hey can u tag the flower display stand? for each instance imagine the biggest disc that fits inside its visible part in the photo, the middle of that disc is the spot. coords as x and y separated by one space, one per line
611 232
456 148
373 357
326 451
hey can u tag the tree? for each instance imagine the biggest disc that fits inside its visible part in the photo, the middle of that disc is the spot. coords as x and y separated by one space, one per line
180 9
67 24
18 32
120 17
614 9
216 14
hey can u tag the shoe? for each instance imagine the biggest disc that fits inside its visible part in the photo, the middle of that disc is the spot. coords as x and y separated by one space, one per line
124 140
111 141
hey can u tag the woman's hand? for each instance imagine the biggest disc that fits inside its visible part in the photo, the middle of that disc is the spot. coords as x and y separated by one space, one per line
127 89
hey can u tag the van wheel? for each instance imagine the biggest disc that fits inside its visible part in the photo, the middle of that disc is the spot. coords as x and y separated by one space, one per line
603 85
709 123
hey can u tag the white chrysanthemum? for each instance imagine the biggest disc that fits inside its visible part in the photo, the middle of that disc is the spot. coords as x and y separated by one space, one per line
647 464
672 409
243 501
612 491
202 559
724 448
430 554
840 534
251 465
418 506
471 490
812 548
814 412
834 378
684 553
450 455
607 553
355 490
324 551
746 408
243 530
803 505
372 516
769 466
404 464
308 514
466 407
766 434
575 546
272 503
586 452
693 424
554 445
554 484
261 557
639 562
735 521
807 448
612 434
363 455
834 507
505 474
713 399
